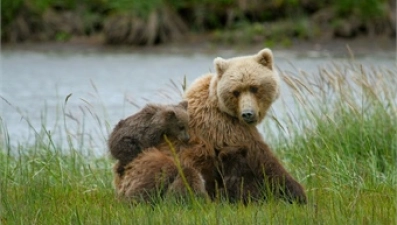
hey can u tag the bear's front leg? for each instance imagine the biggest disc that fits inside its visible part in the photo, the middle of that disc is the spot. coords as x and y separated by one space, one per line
277 179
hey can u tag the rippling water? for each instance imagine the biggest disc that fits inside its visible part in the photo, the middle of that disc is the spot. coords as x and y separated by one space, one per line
107 86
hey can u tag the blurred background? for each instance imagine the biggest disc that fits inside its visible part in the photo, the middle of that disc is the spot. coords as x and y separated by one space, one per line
151 22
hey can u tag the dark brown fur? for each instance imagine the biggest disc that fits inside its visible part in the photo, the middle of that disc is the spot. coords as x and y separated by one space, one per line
146 129
154 173
243 177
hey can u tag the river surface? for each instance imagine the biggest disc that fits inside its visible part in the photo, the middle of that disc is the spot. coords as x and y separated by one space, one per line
101 87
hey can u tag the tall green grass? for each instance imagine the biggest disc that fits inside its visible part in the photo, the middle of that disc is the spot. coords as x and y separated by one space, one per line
341 144
344 141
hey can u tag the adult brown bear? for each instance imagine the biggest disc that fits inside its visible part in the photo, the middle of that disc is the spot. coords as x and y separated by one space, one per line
224 109
225 146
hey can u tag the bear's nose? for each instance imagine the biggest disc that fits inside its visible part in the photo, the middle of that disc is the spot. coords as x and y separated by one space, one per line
185 137
248 116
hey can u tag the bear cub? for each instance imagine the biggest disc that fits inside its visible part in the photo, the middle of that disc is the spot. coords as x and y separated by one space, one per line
146 129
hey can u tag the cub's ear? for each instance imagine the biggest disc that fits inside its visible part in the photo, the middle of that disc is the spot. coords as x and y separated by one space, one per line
221 65
164 114
183 104
265 57
168 114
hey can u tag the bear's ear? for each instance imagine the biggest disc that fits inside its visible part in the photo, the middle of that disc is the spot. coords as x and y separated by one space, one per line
265 57
220 65
168 114
183 104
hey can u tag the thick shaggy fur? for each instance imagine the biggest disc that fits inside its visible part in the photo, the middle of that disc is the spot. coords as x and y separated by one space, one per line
146 129
226 147
224 109
153 174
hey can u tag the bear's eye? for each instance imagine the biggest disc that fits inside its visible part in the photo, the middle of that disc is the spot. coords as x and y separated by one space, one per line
181 128
236 93
253 89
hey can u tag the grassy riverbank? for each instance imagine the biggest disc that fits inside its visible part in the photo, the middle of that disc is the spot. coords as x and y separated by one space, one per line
149 22
341 144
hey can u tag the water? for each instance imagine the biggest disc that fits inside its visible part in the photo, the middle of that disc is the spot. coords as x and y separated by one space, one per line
106 86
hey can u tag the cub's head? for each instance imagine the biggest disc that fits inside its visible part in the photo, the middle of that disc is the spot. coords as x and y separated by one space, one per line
245 87
176 121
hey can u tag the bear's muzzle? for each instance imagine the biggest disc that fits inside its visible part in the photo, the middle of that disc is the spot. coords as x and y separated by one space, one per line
249 116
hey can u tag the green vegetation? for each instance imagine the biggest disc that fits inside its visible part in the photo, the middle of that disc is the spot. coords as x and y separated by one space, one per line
341 144
148 22
368 9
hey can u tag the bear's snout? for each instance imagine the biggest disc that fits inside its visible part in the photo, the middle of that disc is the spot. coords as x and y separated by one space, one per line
248 106
184 137
249 116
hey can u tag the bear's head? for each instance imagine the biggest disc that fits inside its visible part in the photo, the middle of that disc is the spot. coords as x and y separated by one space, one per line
245 87
176 121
